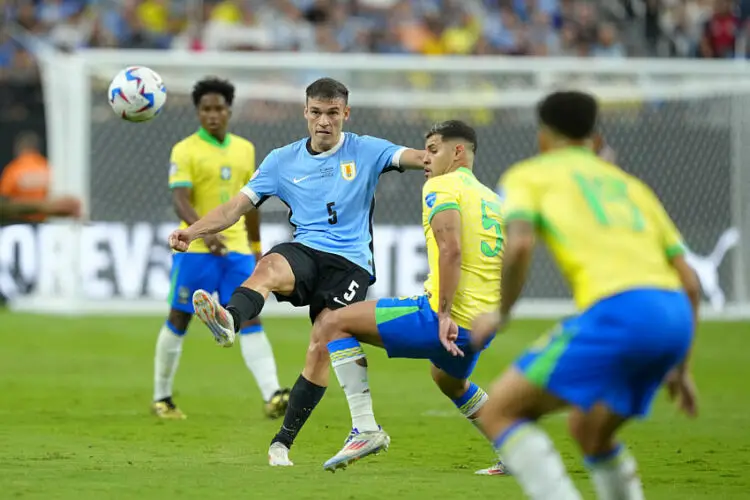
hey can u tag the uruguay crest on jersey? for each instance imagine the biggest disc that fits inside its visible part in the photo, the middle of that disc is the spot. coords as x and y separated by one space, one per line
348 170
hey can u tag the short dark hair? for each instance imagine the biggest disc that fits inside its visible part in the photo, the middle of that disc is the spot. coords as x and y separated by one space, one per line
571 114
454 129
327 89
213 85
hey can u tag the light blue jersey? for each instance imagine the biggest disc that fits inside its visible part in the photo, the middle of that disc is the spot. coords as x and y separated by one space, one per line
331 195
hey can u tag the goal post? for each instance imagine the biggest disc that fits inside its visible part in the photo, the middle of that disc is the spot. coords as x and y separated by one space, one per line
682 126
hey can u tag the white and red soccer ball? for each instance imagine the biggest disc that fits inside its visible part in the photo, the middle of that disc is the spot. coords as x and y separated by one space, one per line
137 94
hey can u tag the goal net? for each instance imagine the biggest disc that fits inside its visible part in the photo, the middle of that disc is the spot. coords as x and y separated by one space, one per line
679 126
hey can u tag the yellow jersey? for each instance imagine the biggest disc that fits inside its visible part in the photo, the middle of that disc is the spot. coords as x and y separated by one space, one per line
481 243
215 172
606 230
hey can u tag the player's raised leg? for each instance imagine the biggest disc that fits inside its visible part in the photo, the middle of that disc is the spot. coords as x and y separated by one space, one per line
272 274
342 331
256 348
404 327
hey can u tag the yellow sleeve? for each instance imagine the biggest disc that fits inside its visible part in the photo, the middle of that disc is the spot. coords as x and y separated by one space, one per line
438 195
180 167
519 198
670 236
251 160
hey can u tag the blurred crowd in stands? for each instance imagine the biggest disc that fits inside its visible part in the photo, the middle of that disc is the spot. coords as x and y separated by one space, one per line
584 28
608 28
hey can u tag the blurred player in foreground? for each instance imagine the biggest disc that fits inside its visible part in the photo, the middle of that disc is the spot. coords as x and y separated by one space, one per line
328 181
462 226
638 303
207 169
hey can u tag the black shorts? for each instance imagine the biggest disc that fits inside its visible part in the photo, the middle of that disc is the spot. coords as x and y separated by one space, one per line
321 279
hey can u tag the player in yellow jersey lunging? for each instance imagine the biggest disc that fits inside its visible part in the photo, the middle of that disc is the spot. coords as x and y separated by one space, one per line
462 226
637 300
206 169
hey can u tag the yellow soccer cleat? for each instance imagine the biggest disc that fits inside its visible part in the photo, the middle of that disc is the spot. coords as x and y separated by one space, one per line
166 409
276 406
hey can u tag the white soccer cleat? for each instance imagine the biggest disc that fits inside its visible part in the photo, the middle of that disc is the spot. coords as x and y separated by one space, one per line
496 470
278 456
358 445
216 318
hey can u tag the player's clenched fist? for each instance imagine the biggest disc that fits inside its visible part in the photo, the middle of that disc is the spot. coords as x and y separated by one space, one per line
180 240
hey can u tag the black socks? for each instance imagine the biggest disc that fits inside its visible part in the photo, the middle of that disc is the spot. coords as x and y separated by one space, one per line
303 399
244 305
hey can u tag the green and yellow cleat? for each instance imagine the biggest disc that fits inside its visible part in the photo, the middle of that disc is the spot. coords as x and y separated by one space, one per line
276 406
167 410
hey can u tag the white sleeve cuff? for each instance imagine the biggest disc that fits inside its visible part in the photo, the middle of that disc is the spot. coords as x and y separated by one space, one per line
396 160
254 198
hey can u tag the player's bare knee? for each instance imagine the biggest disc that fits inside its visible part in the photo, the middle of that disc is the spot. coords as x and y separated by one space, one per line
272 274
179 319
327 327
317 349
452 387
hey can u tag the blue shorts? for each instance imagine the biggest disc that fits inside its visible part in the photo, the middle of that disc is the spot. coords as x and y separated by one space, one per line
193 271
408 328
617 352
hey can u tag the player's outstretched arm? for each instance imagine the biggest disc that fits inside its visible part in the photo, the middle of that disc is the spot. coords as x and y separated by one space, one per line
215 221
412 159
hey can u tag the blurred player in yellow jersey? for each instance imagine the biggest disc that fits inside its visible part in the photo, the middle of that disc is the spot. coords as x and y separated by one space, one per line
637 303
207 169
462 226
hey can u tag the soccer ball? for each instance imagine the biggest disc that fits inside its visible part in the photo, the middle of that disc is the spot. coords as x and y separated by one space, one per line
137 94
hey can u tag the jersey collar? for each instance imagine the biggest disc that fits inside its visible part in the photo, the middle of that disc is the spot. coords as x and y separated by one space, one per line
582 149
204 135
465 170
331 151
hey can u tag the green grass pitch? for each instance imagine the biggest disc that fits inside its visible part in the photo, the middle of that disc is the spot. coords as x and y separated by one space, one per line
74 421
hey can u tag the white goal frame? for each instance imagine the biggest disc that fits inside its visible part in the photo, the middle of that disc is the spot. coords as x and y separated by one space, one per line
68 92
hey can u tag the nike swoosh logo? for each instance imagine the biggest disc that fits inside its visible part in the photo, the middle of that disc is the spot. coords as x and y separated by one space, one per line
297 181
